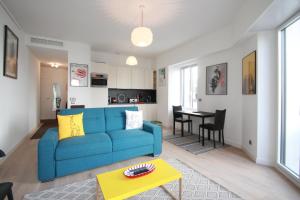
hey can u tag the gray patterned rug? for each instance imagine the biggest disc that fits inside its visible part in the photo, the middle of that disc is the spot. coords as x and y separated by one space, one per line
195 187
191 143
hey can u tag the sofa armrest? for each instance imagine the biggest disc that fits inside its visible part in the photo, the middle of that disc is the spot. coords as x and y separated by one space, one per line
46 155
157 133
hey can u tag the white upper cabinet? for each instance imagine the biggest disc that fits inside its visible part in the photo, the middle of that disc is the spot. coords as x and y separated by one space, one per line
123 77
112 77
106 69
148 74
137 78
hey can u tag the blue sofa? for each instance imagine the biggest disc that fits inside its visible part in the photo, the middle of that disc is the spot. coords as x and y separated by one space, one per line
106 141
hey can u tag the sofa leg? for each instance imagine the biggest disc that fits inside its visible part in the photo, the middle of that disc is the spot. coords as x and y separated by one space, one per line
156 155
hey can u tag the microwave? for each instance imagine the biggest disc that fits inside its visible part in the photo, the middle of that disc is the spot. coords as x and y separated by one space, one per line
98 80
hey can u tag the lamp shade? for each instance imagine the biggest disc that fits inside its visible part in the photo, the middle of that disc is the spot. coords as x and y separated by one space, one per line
141 36
131 60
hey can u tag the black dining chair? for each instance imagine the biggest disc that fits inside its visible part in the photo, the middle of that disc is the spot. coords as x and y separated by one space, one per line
5 188
218 125
177 117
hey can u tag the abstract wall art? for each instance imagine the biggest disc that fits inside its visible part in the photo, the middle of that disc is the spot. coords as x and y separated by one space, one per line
249 74
216 79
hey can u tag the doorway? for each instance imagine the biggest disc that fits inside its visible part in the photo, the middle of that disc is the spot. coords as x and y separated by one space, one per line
53 81
53 85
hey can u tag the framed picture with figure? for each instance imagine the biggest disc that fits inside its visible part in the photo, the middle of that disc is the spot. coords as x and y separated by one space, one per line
10 59
216 79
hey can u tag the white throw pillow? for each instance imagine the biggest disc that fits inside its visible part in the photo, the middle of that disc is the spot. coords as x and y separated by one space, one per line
134 119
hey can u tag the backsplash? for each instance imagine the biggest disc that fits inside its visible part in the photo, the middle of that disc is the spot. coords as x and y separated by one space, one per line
132 96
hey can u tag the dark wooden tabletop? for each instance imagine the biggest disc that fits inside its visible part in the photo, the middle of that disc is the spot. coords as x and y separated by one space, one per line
196 113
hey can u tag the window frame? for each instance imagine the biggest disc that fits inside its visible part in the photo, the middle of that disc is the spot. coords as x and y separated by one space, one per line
281 136
182 82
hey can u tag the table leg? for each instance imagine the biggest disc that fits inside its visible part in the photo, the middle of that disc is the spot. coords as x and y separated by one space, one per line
180 188
97 191
203 132
189 128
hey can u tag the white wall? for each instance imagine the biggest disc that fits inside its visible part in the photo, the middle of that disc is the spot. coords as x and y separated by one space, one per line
81 54
19 97
248 117
233 101
33 90
249 107
119 59
267 78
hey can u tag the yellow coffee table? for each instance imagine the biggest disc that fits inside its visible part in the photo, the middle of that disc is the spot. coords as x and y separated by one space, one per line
116 186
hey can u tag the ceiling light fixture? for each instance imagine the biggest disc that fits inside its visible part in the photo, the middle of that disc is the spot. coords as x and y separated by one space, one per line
56 65
131 60
141 36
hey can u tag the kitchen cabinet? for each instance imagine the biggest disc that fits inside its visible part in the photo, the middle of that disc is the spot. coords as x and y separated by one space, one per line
123 77
106 69
137 78
148 80
112 77
149 111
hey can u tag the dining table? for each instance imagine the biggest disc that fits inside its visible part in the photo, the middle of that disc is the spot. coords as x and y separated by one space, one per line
201 114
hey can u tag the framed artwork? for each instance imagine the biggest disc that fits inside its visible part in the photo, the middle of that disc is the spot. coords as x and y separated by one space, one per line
78 75
162 77
216 79
249 74
10 60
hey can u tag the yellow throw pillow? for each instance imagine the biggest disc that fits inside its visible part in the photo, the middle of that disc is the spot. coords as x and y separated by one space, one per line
70 126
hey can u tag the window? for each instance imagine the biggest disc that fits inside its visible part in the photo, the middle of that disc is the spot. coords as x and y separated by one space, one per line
289 155
189 85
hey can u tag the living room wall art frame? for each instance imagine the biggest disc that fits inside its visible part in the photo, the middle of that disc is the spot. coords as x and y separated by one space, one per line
216 79
162 77
10 59
249 74
78 75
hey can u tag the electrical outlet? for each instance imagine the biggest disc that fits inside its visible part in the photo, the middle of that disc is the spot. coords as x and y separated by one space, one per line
250 142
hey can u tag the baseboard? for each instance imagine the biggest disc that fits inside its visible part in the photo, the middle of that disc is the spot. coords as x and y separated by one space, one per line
32 132
250 155
232 143
27 136
265 162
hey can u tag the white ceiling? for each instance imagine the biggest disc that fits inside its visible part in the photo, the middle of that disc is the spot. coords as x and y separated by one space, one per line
106 24
278 12
47 56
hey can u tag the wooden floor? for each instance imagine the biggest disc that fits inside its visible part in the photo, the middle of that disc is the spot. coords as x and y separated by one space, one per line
229 167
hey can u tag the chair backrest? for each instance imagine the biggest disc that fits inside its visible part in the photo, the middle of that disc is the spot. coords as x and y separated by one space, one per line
220 118
77 106
2 154
175 109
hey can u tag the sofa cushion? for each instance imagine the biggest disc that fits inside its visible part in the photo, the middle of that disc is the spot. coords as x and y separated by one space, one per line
127 139
70 126
116 118
93 118
90 144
